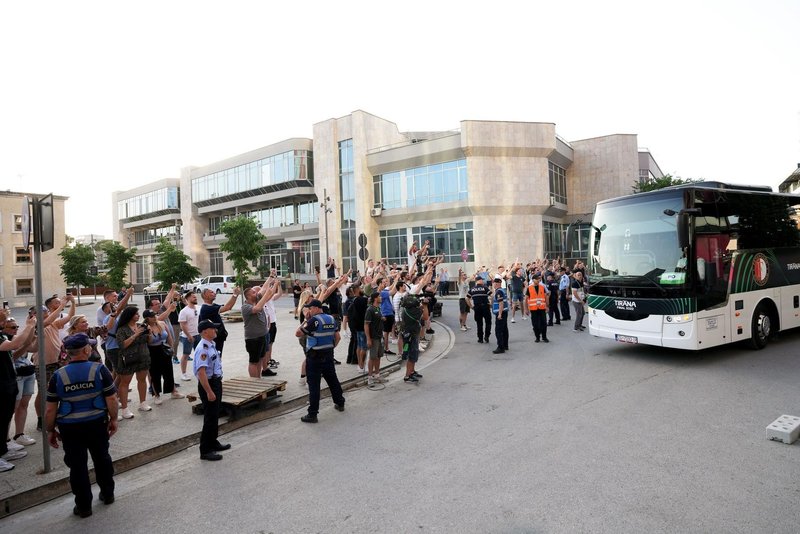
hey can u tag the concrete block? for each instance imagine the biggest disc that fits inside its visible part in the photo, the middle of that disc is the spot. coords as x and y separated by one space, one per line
785 428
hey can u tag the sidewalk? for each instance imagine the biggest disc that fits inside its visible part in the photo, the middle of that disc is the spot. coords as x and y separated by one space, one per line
172 427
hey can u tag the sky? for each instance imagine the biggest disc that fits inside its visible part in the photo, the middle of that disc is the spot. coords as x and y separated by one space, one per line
99 96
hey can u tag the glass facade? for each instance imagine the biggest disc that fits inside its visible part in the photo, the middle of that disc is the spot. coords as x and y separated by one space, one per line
446 239
558 183
154 235
285 167
429 184
347 205
154 201
394 246
216 261
554 245
142 269
275 217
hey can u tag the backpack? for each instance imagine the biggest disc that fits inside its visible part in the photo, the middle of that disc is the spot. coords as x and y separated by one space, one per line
410 314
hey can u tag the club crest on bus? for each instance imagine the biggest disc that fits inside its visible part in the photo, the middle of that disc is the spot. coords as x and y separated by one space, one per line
760 269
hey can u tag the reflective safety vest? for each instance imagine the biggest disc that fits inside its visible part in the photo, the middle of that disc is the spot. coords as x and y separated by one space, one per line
80 388
324 336
536 297
499 295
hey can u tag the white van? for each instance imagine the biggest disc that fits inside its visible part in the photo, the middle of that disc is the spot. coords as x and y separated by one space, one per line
217 283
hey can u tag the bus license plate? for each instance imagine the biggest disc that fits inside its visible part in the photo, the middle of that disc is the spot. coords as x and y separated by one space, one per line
626 339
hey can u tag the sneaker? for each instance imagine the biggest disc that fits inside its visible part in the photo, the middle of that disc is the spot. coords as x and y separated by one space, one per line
302 382
14 446
416 374
186 377
410 378
274 363
339 407
176 395
127 413
15 455
370 381
5 466
513 320
268 372
157 401
469 327
378 379
577 330
362 371
430 331
421 348
24 439
189 359
463 329
389 352
175 360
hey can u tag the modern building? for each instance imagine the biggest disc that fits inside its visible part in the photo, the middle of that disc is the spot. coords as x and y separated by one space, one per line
792 183
17 284
491 190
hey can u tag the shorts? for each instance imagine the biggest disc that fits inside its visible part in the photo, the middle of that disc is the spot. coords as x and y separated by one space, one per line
273 333
189 345
410 347
516 297
267 339
49 369
25 385
463 307
112 359
376 351
255 349
388 323
361 340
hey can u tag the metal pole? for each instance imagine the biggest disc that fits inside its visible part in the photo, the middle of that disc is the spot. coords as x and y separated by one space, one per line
325 206
41 357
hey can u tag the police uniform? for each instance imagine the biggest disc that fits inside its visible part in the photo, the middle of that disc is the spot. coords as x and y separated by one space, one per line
207 357
500 322
320 331
80 390
479 295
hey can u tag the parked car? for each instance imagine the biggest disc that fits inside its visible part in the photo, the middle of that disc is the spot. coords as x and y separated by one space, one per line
217 283
193 285
152 287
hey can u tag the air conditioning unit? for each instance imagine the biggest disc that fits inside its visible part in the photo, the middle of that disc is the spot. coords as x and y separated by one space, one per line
376 212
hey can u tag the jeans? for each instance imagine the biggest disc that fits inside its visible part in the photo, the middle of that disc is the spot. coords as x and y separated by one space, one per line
483 316
78 439
320 366
210 432
501 331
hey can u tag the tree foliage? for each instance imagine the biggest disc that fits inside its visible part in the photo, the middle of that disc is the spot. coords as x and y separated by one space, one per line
117 260
172 265
242 246
75 264
660 183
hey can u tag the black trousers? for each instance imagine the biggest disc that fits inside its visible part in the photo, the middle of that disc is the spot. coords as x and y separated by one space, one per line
161 367
554 311
483 317
501 331
78 439
319 366
352 358
208 437
539 322
8 396
565 298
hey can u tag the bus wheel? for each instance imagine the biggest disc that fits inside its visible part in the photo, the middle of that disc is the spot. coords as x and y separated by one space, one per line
761 327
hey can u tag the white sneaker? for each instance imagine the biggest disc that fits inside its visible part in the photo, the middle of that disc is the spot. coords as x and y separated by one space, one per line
362 370
186 377
144 407
14 446
176 395
25 439
127 413
463 328
378 378
302 381
370 381
469 327
5 466
157 401
513 320
15 455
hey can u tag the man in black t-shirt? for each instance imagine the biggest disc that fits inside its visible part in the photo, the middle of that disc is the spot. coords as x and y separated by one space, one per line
211 312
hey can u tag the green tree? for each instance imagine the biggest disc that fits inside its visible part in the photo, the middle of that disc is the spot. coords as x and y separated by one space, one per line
117 260
660 183
243 245
172 265
75 264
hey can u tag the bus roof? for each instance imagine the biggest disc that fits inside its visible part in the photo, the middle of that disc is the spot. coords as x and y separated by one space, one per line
698 185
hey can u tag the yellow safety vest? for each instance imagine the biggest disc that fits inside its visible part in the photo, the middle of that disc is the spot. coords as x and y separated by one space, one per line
537 296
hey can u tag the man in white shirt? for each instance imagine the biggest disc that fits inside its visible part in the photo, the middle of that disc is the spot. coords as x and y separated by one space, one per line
190 337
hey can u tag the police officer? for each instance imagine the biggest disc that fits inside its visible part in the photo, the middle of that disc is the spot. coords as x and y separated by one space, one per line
478 299
500 310
538 303
322 337
208 371
82 413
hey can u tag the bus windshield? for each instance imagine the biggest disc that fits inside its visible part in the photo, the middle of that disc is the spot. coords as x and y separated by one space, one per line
635 239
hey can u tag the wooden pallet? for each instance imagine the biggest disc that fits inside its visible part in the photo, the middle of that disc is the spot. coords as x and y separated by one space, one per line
246 392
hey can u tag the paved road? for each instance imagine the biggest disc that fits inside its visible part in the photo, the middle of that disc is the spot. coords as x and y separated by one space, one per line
578 435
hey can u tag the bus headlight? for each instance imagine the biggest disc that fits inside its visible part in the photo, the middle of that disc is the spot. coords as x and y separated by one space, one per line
678 318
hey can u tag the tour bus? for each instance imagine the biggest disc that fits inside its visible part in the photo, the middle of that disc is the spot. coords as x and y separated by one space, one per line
695 266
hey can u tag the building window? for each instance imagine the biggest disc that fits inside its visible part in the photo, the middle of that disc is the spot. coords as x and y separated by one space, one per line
216 261
347 205
558 183
17 223
553 239
22 255
446 239
154 235
24 286
273 257
166 198
418 186
295 165
303 256
555 234
394 246
142 269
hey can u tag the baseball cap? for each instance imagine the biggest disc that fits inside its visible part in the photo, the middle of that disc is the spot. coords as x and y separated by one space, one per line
205 325
78 341
313 303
